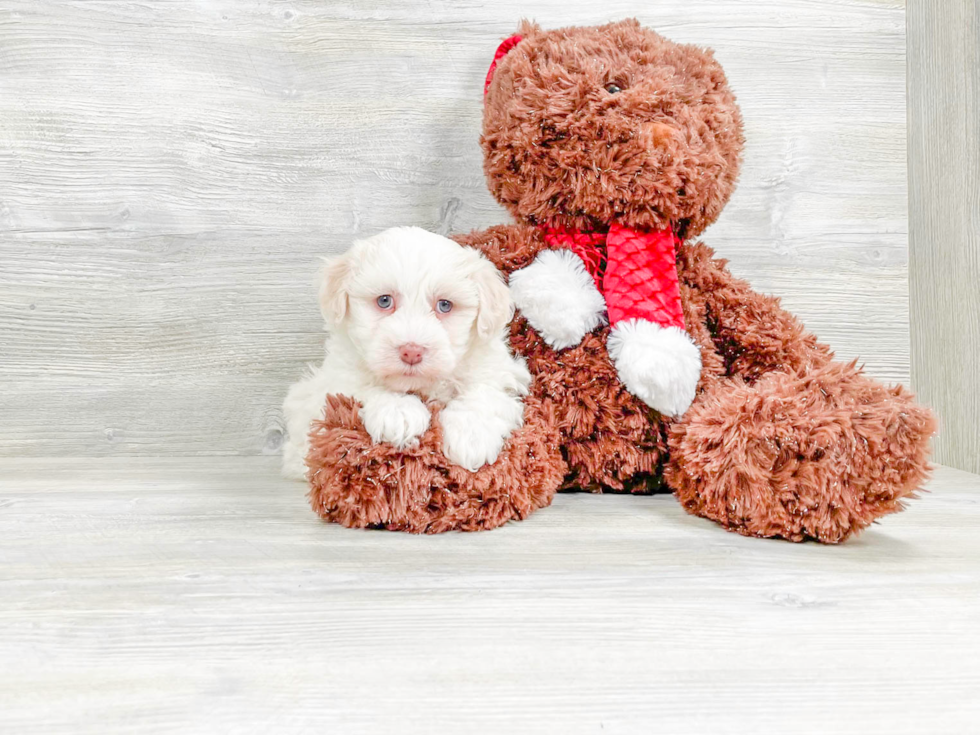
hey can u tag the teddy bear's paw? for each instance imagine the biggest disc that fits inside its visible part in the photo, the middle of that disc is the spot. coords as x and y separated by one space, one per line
359 483
659 365
558 298
395 419
474 430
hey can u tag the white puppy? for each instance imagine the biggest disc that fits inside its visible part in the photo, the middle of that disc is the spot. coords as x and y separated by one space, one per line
412 317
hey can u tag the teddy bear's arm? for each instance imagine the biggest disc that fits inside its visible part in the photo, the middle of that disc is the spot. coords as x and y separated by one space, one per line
509 247
751 331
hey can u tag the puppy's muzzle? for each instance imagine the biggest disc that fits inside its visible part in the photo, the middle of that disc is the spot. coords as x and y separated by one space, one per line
411 353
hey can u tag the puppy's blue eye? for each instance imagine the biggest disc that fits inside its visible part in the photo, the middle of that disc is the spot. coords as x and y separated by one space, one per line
385 302
444 306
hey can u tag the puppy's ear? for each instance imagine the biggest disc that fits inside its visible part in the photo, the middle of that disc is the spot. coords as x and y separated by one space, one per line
334 281
495 308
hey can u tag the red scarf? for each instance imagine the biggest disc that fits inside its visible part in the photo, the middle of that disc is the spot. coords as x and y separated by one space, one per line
635 270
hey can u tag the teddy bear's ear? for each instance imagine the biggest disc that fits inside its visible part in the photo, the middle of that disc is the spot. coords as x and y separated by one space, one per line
503 49
528 28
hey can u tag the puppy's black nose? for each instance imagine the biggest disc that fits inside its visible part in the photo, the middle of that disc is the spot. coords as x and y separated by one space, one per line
411 353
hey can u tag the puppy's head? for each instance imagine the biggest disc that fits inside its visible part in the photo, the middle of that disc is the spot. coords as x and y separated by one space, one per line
413 304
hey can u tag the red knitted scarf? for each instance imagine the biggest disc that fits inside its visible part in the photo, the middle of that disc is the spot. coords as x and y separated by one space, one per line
636 270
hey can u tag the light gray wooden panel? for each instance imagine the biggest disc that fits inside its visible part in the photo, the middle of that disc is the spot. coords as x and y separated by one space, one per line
142 595
944 197
170 172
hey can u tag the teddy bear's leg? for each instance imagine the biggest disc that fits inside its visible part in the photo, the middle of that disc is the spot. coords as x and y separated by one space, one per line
358 483
817 454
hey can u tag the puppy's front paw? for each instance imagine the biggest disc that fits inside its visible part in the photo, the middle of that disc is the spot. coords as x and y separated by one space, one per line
398 420
474 433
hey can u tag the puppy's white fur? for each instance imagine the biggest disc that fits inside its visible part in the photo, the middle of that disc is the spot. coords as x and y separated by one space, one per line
466 365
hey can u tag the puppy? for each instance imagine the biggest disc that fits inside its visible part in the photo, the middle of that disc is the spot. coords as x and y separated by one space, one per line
414 317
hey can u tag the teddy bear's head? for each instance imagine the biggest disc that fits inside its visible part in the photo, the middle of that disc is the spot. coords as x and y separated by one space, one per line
583 126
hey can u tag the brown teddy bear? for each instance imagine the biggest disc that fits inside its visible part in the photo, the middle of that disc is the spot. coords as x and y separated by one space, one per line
654 368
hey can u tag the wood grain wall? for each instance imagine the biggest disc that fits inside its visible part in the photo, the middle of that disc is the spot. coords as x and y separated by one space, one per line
170 172
944 201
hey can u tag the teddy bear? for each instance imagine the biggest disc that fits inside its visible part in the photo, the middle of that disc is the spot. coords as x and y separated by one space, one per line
654 368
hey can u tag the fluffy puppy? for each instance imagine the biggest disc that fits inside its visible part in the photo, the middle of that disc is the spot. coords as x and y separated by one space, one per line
414 317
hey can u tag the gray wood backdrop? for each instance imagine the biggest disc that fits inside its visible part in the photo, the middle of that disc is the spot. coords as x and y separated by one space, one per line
944 164
170 172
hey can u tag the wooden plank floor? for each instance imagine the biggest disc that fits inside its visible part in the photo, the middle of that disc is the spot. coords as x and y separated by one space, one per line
201 595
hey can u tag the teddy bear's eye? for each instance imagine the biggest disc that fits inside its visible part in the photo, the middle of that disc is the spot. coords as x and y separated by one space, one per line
613 88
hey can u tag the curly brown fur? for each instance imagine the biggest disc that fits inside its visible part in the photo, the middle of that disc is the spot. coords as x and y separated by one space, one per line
559 148
781 441
750 332
818 454
792 445
360 484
